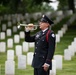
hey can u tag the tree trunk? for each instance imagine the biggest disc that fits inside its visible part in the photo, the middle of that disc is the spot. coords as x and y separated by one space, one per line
71 5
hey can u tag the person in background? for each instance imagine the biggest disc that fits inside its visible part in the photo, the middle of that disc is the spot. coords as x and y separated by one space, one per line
44 49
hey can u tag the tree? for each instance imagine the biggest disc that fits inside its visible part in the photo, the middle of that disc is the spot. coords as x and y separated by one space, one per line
71 5
66 5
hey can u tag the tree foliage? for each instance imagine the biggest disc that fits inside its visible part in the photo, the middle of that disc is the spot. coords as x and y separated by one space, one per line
32 5
63 4
24 5
66 5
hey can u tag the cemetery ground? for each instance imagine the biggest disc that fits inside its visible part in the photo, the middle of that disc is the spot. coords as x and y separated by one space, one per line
69 67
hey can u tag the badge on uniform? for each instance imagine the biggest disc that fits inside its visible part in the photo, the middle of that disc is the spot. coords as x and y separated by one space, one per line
37 35
53 35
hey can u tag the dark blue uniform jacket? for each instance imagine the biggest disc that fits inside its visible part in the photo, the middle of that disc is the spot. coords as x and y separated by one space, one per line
44 50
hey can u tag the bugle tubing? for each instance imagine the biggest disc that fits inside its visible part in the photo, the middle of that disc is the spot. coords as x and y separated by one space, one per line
29 25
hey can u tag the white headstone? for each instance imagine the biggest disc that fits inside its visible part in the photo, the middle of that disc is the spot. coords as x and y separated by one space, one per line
21 62
10 43
2 47
10 54
14 21
18 50
4 27
63 30
48 14
53 71
25 46
58 59
9 67
65 26
60 32
67 54
18 19
71 49
2 35
9 17
59 13
14 28
57 38
16 39
69 12
31 44
22 35
29 58
9 24
5 17
24 22
74 46
75 39
9 32
58 19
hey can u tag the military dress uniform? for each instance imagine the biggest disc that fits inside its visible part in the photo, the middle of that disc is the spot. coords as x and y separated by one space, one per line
44 50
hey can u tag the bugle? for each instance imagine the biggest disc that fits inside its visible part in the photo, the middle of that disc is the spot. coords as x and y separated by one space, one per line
34 27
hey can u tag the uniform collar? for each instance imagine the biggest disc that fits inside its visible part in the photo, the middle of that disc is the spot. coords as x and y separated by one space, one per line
44 30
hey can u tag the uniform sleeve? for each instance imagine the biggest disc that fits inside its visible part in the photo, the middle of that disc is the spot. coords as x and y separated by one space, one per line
28 37
51 47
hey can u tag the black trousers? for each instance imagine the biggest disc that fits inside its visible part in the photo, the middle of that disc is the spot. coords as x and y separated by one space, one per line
40 71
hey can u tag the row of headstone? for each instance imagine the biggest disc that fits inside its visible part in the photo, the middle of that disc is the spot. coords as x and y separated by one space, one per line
71 20
64 28
61 32
9 33
14 18
68 12
19 48
10 63
70 51
59 17
22 61
36 16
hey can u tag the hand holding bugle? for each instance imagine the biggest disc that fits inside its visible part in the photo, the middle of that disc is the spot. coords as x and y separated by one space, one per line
29 26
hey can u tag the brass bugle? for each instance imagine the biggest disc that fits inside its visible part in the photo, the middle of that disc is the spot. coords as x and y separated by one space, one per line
29 25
